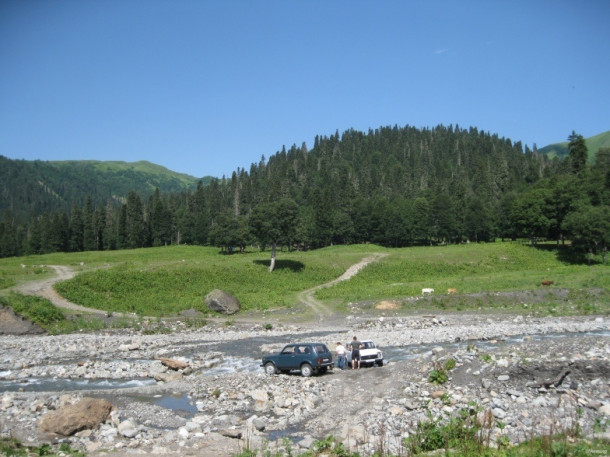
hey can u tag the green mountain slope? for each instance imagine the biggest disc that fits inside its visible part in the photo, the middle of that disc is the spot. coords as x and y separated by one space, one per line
33 187
560 150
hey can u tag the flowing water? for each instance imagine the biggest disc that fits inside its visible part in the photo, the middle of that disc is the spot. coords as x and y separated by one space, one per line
244 356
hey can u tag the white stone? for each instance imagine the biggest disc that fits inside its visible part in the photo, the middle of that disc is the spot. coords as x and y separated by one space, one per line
128 429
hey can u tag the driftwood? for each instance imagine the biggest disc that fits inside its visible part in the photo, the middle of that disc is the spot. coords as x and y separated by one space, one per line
553 382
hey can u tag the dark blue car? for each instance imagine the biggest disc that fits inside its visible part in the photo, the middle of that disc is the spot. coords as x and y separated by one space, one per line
308 358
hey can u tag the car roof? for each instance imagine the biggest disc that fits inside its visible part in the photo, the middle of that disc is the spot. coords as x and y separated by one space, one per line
305 344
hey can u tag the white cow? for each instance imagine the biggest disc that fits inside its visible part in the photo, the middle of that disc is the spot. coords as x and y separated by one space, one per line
427 291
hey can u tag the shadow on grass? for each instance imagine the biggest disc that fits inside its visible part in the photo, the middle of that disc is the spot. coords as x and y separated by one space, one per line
283 264
568 254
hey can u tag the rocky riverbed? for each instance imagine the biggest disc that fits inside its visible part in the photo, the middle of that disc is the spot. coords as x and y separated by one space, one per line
201 392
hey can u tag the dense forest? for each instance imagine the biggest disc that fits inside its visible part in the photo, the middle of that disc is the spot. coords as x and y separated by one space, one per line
395 186
30 188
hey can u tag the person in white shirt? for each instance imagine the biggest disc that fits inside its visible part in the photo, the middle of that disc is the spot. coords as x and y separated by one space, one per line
340 352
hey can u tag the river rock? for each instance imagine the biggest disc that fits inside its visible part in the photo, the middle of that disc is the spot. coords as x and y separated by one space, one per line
231 433
69 419
168 377
258 424
128 428
222 302
174 364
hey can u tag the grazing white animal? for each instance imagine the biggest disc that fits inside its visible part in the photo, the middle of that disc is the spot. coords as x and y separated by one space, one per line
426 291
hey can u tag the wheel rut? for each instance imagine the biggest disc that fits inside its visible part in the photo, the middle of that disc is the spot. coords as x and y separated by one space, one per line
320 309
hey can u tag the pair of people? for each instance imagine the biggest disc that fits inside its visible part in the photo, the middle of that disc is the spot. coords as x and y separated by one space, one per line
341 352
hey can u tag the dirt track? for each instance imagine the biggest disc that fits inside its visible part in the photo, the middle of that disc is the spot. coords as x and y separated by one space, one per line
375 403
44 288
307 296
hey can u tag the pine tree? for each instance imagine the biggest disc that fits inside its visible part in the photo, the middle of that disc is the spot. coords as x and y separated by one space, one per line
578 153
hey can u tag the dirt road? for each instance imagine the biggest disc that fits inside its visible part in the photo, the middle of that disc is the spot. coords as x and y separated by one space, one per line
44 288
307 296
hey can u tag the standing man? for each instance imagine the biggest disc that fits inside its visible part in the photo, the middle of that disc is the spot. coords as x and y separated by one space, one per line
340 352
355 345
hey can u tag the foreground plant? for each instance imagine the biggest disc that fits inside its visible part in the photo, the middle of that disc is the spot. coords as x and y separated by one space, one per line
12 447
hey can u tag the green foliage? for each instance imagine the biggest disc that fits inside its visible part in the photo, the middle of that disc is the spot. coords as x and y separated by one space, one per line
167 280
11 447
578 153
485 358
480 269
37 186
462 433
438 376
593 143
147 285
38 310
589 228
449 364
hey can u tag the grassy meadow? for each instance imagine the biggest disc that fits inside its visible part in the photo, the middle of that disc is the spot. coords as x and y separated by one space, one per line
164 281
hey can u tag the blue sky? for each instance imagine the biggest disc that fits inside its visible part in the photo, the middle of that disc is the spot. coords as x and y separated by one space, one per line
204 87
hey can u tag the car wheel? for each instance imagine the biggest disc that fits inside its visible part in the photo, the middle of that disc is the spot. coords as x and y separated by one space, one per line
306 370
322 370
270 368
379 363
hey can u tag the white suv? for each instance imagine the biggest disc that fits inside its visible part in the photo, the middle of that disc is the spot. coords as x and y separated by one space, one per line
369 354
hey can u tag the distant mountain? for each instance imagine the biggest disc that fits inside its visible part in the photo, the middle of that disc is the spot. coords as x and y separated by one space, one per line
33 187
560 150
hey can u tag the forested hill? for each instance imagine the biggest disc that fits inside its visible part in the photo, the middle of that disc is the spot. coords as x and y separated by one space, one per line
594 143
29 188
395 186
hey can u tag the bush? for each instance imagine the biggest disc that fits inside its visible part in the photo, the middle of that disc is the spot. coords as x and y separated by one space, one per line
438 376
450 364
38 310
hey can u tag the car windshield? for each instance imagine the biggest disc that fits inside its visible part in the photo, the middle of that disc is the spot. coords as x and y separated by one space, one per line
288 350
368 345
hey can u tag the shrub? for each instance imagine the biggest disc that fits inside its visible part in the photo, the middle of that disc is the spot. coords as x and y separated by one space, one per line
36 309
438 376
450 364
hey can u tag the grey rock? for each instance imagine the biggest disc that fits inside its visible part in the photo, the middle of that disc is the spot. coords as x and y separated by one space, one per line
259 424
222 302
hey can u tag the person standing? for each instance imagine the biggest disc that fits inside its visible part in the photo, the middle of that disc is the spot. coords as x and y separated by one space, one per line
355 346
340 352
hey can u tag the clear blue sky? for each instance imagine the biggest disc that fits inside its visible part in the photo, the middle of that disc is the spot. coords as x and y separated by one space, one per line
204 87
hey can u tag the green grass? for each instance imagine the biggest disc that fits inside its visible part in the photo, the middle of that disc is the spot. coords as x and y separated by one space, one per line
43 313
471 269
38 310
594 143
166 280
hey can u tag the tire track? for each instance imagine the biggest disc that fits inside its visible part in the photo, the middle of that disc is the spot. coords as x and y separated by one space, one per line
44 289
307 296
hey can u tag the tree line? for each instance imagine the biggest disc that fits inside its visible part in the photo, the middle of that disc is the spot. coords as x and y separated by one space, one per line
394 186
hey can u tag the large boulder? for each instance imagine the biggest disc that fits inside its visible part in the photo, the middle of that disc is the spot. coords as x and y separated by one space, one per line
222 302
88 413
